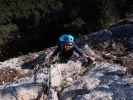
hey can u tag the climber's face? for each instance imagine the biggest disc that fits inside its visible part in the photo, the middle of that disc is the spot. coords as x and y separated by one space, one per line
68 46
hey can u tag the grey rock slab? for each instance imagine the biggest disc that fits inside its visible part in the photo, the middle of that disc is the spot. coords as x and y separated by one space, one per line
104 82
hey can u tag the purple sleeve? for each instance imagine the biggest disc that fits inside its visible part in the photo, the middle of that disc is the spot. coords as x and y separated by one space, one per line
56 51
78 50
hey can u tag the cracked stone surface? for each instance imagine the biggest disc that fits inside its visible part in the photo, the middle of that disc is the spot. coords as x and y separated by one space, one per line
103 81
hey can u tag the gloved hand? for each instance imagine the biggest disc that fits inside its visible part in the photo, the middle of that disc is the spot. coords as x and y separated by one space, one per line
49 60
89 60
46 61
86 61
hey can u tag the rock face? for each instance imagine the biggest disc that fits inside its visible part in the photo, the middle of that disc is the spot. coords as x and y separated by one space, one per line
64 73
71 81
33 85
21 92
103 82
102 35
74 80
121 33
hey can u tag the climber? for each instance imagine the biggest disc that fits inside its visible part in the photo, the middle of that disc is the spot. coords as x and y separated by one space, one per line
66 48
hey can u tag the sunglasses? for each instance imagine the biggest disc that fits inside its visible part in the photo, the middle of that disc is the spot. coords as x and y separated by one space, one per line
68 45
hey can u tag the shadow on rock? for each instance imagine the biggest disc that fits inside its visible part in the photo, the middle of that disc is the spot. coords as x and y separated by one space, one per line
73 93
30 64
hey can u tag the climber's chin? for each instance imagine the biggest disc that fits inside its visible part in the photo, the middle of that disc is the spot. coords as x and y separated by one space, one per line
68 47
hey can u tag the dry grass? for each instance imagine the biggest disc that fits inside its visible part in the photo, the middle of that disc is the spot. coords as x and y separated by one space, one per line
10 75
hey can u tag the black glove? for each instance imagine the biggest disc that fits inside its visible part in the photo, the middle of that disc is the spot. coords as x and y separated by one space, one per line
86 62
89 61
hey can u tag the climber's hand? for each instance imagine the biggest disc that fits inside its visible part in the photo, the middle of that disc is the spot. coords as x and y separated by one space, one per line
86 62
46 61
89 60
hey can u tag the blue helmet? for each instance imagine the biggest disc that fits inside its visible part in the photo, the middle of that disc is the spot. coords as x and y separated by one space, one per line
66 38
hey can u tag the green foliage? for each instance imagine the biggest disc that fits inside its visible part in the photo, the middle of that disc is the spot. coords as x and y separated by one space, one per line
106 13
12 9
5 31
8 28
32 18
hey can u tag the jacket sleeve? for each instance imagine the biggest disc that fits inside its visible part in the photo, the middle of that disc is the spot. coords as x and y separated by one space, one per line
52 54
55 52
78 50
